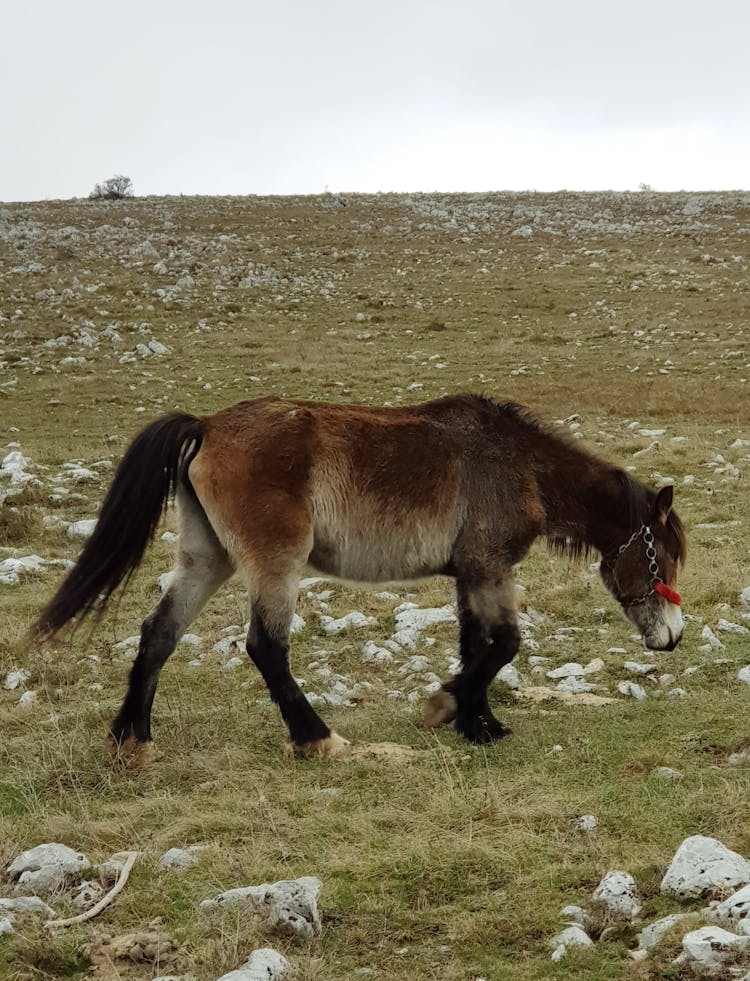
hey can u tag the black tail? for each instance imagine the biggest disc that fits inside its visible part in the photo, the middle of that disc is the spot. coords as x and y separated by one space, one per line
145 480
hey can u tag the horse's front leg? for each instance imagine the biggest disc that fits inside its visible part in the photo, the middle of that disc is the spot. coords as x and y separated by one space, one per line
488 638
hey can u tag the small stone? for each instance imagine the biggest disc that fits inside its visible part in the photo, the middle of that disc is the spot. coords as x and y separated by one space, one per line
587 822
81 529
667 773
652 934
572 936
5 926
632 689
570 670
618 894
180 858
509 675
636 668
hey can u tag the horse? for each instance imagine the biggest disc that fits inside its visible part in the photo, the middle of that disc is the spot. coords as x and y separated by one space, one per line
460 486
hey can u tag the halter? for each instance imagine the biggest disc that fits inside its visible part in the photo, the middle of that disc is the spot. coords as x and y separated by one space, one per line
657 584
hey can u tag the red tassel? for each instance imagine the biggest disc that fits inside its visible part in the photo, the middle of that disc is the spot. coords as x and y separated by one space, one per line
669 594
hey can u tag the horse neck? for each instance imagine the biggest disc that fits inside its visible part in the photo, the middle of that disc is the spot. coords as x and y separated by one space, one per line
585 500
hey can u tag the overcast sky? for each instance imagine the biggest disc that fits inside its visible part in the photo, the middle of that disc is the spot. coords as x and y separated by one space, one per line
296 96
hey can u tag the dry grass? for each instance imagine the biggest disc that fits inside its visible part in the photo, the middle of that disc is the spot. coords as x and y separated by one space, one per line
452 864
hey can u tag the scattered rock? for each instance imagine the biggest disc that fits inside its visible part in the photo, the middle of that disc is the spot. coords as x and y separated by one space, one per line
572 936
290 905
652 934
667 773
701 864
711 946
587 822
617 896
262 965
632 689
180 858
734 911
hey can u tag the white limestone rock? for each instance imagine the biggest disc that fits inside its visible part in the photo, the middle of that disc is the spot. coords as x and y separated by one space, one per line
572 936
27 904
81 529
509 675
410 617
632 689
711 946
16 678
5 926
652 934
587 822
350 621
701 864
47 869
180 858
570 670
667 773
262 965
290 905
617 894
733 911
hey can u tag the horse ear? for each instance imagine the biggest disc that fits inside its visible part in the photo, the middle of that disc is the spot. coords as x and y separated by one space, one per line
663 503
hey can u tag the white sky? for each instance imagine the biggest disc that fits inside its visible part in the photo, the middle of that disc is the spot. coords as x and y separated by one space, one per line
293 96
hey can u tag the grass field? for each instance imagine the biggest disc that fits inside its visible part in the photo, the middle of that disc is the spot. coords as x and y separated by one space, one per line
621 317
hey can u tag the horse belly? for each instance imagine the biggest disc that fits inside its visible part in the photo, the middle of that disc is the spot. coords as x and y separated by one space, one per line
382 552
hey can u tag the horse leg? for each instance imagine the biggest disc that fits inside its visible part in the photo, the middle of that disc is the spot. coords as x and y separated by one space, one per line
441 707
268 647
202 566
489 638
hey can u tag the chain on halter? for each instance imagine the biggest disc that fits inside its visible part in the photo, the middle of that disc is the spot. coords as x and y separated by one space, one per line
657 584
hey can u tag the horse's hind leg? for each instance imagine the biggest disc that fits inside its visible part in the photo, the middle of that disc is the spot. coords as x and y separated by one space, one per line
489 638
202 566
271 612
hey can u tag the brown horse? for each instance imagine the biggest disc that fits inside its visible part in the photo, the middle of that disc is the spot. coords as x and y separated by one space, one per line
460 486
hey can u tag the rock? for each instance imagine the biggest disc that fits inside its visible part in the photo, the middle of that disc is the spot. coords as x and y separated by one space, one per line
81 529
11 570
42 856
509 675
111 869
570 670
652 934
290 905
572 936
711 946
15 678
744 674
728 627
594 665
637 668
587 822
575 686
5 926
701 864
733 911
27 904
745 596
180 858
411 617
666 773
87 894
632 689
262 965
350 620
617 895
710 638
27 700
576 913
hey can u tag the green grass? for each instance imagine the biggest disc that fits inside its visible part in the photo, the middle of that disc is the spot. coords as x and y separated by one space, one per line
453 863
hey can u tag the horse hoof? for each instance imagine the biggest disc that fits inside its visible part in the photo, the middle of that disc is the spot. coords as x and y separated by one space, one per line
333 745
134 753
481 730
440 710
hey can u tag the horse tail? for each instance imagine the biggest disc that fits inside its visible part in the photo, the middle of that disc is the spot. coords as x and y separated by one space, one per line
146 479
